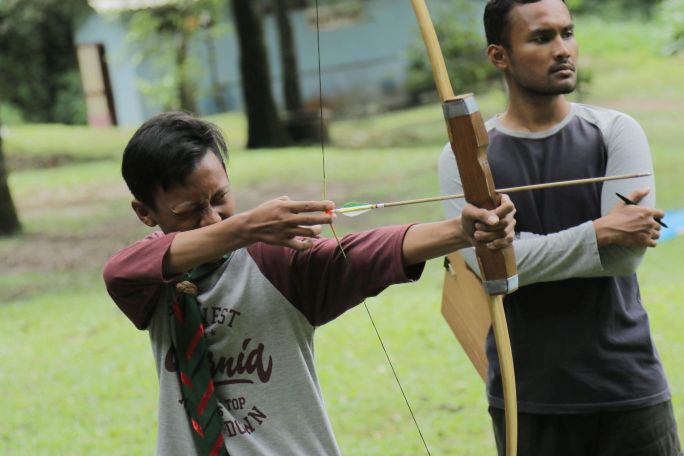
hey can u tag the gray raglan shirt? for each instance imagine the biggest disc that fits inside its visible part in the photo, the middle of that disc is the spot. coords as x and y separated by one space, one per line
580 335
260 310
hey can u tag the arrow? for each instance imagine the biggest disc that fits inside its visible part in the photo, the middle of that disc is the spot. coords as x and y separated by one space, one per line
353 209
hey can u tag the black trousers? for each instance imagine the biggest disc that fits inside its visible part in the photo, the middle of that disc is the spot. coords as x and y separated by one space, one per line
649 431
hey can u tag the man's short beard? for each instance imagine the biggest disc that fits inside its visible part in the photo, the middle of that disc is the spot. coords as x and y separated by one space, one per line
560 90
548 91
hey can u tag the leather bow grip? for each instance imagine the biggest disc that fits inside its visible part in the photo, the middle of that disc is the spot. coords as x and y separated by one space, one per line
467 132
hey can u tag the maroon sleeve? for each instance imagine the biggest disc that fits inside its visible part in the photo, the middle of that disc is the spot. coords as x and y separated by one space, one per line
323 284
134 277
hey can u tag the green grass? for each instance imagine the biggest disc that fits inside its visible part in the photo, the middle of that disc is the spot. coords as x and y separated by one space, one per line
75 380
54 142
78 378
364 401
28 145
645 74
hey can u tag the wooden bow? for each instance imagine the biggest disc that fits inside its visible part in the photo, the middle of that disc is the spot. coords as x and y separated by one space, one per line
469 140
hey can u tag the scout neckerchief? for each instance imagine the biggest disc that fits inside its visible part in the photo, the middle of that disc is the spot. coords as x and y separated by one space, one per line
194 368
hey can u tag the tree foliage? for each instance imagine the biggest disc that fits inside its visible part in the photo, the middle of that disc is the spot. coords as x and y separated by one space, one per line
39 75
672 14
463 44
614 8
163 36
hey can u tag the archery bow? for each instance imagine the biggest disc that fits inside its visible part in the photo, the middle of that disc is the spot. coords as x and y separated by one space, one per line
469 141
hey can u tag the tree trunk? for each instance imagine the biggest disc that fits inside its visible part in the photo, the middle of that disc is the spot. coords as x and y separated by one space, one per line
304 127
264 128
216 86
288 58
186 90
9 221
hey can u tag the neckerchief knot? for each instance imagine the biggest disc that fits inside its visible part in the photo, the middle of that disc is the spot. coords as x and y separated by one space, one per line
186 287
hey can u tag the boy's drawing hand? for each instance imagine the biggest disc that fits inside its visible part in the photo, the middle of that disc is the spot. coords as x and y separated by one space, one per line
289 223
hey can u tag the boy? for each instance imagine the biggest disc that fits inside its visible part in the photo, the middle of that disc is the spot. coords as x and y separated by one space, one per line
265 283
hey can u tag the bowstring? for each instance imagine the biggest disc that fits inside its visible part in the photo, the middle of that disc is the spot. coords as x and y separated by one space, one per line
320 108
339 244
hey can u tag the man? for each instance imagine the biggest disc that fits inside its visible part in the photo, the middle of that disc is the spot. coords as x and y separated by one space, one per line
263 281
588 375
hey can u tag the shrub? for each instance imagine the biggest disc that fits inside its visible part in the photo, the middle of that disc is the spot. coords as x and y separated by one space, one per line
461 36
672 15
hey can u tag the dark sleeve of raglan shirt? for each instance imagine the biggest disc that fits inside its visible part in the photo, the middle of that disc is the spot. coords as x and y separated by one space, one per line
134 277
323 283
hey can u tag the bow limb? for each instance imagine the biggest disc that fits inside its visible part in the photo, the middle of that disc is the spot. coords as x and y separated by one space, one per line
469 140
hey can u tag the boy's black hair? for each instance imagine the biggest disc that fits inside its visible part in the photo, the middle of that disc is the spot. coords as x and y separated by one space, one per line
497 20
165 150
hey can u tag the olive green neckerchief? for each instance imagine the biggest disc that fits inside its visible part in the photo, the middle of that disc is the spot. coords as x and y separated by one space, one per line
194 368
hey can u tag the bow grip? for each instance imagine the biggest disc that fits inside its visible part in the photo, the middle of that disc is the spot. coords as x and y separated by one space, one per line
469 141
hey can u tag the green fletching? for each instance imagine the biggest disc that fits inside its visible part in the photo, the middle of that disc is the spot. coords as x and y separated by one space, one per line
354 204
354 208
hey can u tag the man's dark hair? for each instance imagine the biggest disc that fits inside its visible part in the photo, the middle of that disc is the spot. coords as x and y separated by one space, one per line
165 150
497 20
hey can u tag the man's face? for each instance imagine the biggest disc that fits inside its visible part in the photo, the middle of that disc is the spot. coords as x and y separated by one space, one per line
543 51
203 199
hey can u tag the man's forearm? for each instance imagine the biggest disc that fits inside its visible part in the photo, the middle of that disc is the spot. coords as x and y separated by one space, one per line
542 258
570 253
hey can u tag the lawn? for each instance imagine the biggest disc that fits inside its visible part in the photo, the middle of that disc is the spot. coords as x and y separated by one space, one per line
78 378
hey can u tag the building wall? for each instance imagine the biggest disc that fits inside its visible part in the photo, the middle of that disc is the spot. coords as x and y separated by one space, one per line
127 99
363 63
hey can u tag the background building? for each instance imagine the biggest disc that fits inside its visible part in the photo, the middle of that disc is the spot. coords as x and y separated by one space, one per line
363 56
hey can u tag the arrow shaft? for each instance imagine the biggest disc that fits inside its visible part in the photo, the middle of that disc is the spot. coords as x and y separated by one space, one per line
567 183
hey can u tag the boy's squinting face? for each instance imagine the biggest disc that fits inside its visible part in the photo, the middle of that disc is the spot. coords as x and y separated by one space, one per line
203 199
543 51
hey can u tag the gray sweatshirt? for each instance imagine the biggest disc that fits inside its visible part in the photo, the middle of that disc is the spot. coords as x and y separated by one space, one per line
261 309
579 332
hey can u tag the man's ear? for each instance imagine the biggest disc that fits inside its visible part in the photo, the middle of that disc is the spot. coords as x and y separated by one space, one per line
144 213
498 56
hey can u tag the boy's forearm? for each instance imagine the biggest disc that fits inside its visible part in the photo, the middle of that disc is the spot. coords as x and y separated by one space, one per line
281 221
192 248
431 240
